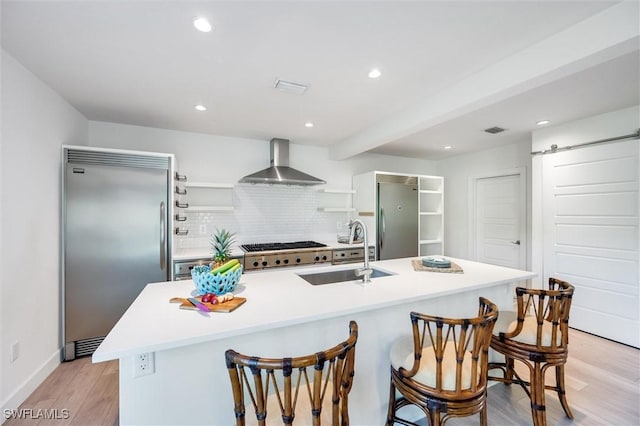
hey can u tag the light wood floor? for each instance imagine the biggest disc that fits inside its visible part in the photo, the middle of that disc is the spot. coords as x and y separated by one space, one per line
88 391
602 378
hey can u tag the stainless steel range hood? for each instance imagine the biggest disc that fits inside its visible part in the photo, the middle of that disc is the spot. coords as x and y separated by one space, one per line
280 173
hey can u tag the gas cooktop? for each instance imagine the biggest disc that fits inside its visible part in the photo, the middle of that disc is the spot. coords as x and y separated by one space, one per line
281 246
271 255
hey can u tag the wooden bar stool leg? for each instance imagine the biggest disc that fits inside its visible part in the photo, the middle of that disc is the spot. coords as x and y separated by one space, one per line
434 415
508 373
538 409
561 390
391 410
483 416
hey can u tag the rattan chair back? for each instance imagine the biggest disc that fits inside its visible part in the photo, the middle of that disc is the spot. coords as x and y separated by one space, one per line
539 340
457 349
551 311
314 379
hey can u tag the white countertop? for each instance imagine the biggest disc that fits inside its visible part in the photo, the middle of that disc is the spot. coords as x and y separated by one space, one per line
280 298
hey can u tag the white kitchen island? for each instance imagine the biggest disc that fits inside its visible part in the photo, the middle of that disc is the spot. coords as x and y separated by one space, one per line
283 316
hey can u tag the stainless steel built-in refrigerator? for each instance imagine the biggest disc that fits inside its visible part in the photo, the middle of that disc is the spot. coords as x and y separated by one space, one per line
397 216
116 238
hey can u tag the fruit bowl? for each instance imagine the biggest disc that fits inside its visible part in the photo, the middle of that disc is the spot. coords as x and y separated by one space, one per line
206 282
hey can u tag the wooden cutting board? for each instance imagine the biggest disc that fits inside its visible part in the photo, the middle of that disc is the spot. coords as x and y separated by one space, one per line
228 306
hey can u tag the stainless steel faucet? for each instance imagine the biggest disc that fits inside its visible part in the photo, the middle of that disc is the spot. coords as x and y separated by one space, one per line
364 272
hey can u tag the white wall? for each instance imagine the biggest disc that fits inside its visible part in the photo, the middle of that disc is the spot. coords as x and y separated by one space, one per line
603 126
36 122
262 213
458 170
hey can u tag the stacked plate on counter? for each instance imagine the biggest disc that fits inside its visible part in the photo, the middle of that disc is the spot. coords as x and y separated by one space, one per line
436 262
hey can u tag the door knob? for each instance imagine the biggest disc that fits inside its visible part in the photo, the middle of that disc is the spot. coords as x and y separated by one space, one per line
516 242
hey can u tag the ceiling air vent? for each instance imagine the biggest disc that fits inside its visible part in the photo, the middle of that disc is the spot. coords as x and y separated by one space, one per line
494 130
289 86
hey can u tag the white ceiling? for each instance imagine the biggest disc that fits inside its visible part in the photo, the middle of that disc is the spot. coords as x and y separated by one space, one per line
143 63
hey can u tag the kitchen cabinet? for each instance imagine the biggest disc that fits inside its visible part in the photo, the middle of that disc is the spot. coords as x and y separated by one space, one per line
428 209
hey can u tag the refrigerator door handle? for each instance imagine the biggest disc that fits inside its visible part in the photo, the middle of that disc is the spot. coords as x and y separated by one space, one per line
383 226
163 237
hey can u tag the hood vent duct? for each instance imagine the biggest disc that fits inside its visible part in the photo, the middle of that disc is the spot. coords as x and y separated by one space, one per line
279 172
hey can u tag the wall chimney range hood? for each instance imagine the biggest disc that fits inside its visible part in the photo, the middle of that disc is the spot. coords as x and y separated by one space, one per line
279 172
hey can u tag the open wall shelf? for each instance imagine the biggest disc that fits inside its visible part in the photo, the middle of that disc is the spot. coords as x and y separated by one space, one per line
194 197
210 185
335 200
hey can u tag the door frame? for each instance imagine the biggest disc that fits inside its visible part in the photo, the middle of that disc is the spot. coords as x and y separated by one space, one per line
524 216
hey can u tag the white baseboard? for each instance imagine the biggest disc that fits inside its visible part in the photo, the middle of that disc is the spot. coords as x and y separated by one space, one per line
27 387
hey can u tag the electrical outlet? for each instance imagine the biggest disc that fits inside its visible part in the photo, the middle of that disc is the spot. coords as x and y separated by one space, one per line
15 351
143 364
203 229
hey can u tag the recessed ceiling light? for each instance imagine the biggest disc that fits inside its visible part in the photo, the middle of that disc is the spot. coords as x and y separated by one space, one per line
308 124
202 24
200 107
447 147
543 122
374 73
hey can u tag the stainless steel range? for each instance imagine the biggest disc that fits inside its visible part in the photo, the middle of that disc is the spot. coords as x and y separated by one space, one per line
272 255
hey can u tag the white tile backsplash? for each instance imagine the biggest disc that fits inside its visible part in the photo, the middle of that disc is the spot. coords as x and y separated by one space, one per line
267 213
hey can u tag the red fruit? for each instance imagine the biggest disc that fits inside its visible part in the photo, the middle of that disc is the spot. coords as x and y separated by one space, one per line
214 299
207 298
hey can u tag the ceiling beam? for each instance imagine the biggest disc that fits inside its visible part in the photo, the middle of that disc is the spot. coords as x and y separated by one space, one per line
598 39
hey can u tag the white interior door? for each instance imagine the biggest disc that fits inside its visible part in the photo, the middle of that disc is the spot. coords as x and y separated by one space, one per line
591 239
499 221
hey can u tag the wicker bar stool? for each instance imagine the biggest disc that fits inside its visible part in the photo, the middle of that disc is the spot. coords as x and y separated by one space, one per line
282 386
537 335
442 368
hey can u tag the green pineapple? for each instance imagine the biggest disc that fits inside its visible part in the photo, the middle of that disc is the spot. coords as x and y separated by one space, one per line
221 243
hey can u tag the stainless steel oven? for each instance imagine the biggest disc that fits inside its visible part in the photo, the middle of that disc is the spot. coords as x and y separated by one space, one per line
351 255
182 268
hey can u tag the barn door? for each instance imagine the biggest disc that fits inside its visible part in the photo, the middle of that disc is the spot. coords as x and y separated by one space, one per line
591 237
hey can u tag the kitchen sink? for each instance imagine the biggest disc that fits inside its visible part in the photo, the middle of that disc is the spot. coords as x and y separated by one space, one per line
342 275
